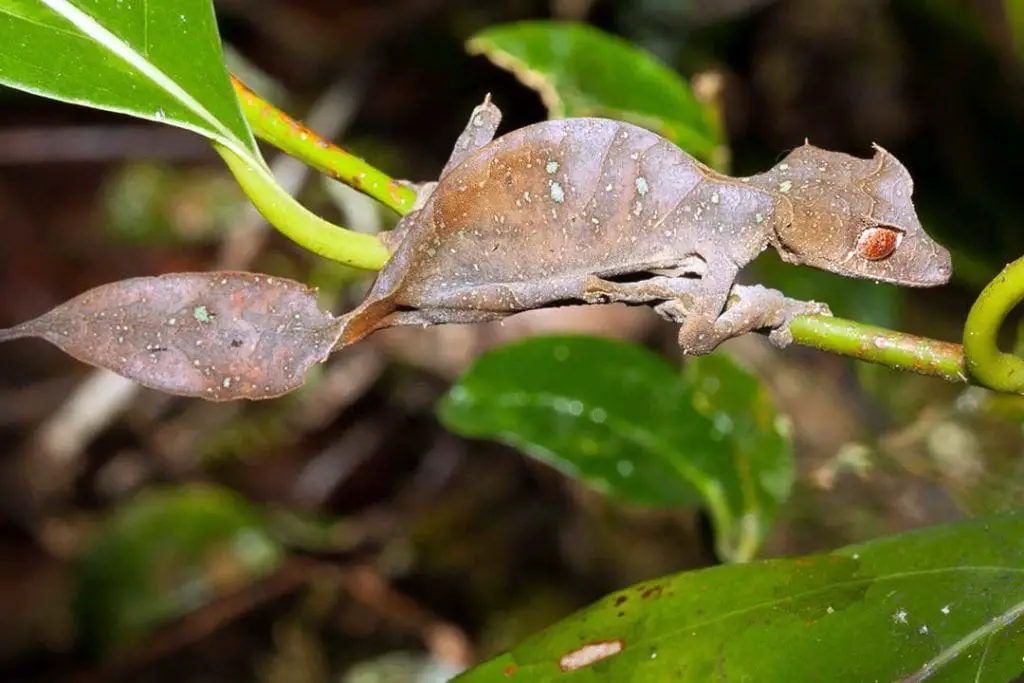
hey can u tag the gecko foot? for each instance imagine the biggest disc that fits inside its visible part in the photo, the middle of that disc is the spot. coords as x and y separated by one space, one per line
755 307
781 336
750 308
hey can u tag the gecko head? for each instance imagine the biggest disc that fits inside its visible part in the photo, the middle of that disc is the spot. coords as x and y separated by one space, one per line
854 217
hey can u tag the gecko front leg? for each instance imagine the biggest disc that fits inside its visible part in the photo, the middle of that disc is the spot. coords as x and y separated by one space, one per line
749 308
699 332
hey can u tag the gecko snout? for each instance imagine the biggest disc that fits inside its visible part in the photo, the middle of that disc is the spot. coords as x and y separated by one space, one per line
935 269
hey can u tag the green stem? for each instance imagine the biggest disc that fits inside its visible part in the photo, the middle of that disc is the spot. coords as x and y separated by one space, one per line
985 362
277 128
299 224
881 346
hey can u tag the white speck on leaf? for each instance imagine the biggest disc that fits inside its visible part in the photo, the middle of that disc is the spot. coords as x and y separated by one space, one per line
589 654
945 609
900 617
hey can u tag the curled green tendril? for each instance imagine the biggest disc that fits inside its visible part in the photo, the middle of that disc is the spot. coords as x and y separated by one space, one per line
991 367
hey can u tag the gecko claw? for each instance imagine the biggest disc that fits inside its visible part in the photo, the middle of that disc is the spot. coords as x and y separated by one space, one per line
781 335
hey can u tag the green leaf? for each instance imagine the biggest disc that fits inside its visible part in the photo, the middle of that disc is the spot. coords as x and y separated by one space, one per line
948 601
623 420
1015 22
160 60
581 71
157 60
164 554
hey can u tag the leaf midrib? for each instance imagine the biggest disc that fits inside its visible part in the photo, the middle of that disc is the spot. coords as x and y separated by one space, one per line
671 633
89 27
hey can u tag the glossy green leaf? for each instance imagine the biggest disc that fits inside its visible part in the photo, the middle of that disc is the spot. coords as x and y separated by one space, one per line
943 605
160 61
164 554
623 420
581 71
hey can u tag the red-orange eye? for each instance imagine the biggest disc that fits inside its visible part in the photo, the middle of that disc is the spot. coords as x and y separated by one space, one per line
878 243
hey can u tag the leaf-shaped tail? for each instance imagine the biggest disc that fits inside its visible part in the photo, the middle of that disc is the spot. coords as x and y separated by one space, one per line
214 335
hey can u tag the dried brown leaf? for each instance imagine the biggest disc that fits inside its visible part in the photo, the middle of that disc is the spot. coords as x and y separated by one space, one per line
215 335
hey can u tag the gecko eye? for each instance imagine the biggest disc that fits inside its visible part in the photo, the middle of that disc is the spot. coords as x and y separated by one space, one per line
878 242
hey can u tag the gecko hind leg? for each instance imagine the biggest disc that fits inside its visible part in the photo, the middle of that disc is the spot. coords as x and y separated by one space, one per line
597 290
427 317
480 129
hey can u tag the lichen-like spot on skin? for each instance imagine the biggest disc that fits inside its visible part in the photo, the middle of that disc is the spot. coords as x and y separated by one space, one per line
557 193
785 186
641 185
201 314
589 654
551 167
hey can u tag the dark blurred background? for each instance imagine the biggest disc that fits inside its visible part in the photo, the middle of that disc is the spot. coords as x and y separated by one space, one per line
363 540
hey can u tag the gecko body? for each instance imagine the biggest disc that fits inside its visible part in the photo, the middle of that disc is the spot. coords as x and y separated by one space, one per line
593 210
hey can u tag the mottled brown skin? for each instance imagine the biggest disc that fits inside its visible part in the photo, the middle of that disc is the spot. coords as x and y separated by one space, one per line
591 210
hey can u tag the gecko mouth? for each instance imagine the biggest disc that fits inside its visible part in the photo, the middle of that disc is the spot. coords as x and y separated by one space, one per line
932 270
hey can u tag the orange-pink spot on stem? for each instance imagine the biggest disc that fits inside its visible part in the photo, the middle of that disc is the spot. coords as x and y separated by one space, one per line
395 190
